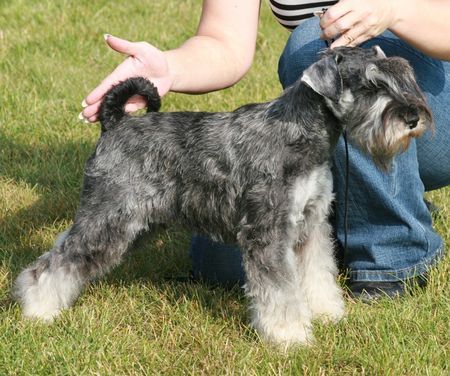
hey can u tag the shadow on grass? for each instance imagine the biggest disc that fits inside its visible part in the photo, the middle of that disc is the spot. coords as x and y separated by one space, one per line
53 173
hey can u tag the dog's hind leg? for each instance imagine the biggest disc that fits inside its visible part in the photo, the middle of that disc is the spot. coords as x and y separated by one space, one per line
95 243
279 310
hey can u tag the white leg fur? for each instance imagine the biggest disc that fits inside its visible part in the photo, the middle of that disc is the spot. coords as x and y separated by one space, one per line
315 261
280 312
45 297
44 290
319 271
283 318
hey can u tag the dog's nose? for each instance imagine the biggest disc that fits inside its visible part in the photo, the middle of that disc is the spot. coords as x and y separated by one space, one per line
412 117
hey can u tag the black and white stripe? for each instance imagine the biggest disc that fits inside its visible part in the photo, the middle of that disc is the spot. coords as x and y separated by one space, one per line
290 13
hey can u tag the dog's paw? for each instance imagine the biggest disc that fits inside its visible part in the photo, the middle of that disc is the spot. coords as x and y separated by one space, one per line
36 295
285 334
47 287
290 335
327 303
328 311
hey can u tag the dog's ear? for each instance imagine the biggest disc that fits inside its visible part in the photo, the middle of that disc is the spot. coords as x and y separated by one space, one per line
324 78
373 74
379 53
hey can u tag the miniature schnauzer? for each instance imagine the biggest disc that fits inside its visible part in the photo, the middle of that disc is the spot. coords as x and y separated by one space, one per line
259 176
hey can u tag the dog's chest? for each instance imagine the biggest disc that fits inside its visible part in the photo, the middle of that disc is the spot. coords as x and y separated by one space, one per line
311 196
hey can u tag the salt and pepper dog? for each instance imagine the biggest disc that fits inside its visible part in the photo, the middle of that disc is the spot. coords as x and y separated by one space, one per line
258 176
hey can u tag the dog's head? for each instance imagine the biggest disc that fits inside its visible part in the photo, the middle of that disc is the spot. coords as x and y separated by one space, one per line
374 97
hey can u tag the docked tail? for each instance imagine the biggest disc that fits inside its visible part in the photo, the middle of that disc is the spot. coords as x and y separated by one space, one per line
112 110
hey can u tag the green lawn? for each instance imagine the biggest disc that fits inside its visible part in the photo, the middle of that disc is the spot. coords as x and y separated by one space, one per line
137 320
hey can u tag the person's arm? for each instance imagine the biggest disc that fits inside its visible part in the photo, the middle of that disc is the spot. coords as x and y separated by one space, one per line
221 52
422 23
425 24
218 56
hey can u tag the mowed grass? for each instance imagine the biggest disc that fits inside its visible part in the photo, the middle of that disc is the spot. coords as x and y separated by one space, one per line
138 320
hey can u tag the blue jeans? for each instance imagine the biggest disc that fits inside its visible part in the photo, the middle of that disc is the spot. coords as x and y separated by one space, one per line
390 235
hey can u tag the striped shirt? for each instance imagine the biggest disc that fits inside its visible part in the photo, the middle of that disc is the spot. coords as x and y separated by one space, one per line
290 13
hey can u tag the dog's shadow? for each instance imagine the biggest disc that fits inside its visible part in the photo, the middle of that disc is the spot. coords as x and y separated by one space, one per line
160 260
53 172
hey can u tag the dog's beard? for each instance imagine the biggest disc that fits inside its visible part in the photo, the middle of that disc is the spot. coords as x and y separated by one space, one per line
384 144
385 132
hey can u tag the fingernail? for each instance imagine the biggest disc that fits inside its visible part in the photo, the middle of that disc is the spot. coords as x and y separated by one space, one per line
81 117
84 104
106 36
318 13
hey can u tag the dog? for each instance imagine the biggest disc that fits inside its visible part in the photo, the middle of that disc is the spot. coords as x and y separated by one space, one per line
259 176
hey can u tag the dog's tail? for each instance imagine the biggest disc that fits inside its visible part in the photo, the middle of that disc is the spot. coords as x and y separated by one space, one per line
112 109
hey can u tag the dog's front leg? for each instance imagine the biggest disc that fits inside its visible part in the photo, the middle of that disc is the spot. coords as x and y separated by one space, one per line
318 269
279 310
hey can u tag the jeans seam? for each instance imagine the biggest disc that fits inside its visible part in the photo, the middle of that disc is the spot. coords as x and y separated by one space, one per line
394 178
395 274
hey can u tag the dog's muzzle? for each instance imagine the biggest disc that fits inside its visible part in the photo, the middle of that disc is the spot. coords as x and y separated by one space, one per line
411 114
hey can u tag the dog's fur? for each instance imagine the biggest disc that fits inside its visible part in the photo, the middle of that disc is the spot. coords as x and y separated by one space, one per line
258 176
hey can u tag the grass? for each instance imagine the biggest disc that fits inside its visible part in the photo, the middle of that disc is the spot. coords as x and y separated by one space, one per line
136 320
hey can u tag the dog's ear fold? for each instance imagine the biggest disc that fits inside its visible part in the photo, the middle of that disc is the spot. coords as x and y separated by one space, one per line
324 78
372 73
376 75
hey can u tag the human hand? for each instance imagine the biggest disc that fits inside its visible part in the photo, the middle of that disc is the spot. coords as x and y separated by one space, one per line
143 60
355 21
